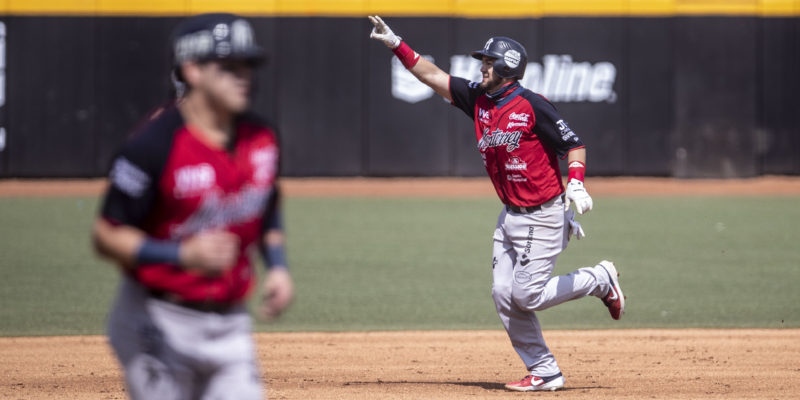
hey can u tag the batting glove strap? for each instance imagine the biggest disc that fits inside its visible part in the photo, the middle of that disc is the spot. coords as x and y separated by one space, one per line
577 194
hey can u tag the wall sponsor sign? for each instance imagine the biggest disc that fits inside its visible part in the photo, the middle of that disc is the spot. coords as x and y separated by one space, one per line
558 77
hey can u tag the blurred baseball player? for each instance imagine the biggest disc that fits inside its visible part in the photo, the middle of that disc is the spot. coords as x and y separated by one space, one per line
190 195
520 137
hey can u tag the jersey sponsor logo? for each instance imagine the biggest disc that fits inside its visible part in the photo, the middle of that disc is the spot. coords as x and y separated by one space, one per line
129 178
483 115
193 180
219 210
511 58
566 131
522 277
265 162
524 117
528 242
516 178
499 138
516 164
557 77
405 86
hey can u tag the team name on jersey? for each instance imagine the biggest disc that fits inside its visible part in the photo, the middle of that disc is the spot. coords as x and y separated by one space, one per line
499 138
218 211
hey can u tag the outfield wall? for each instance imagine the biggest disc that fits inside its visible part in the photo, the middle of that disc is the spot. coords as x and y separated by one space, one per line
670 94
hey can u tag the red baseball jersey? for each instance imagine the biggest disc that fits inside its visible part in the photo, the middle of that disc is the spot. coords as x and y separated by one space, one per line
171 184
520 136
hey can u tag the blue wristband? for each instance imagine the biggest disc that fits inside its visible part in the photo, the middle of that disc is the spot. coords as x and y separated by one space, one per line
274 256
155 251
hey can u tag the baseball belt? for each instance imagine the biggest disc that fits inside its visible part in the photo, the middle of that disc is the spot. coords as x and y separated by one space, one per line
204 306
522 210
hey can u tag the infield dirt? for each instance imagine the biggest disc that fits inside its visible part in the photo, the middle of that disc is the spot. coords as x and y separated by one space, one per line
628 364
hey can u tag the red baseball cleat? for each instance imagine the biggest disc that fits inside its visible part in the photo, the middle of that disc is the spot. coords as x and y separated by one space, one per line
614 300
531 383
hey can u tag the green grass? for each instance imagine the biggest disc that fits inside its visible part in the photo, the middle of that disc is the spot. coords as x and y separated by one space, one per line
408 263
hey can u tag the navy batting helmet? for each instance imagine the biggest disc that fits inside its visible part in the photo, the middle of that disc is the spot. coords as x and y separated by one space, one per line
510 56
217 36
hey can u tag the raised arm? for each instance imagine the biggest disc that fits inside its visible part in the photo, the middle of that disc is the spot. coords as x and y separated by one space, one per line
426 71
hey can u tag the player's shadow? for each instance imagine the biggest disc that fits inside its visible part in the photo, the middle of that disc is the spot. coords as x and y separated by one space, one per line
494 386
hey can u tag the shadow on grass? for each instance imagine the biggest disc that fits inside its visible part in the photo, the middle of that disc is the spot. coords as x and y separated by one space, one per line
495 386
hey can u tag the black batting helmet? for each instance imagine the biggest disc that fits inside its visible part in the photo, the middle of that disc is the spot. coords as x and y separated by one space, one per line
510 56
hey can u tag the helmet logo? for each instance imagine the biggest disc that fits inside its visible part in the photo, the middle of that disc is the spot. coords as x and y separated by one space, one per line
511 57
221 31
241 34
193 45
488 43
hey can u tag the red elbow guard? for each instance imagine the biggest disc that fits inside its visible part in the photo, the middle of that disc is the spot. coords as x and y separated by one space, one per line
408 57
577 170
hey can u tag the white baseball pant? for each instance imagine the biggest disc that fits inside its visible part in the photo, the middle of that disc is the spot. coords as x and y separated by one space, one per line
525 250
170 352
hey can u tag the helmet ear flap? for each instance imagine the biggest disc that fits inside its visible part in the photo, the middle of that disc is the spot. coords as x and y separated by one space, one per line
502 69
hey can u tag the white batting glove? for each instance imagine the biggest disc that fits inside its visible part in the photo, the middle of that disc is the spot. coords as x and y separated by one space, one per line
382 32
577 194
575 228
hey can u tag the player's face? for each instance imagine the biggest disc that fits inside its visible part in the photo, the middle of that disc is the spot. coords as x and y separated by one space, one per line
227 84
490 81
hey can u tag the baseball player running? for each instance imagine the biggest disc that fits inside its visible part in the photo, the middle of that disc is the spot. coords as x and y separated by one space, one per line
520 137
190 194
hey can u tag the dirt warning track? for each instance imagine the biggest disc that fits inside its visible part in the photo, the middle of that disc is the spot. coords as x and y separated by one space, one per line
628 364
